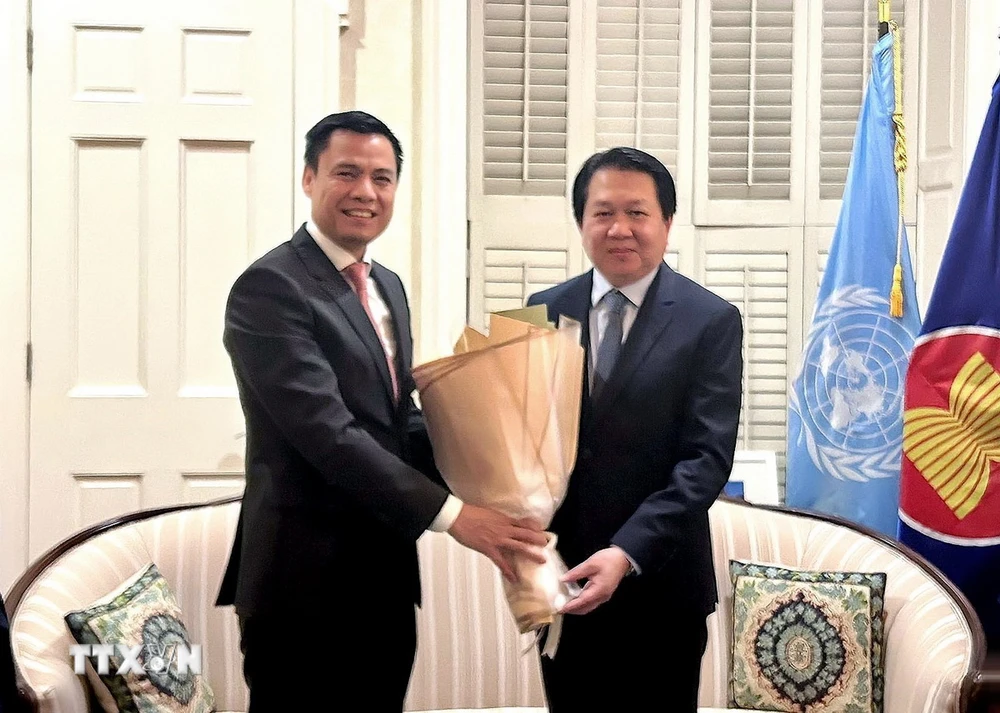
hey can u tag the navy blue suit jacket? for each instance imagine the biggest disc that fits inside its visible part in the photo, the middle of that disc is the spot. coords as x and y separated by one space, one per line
656 448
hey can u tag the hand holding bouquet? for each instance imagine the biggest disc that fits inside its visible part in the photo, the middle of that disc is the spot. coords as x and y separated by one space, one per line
503 416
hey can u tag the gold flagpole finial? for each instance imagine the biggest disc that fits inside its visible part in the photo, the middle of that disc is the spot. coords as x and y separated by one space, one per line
884 10
884 17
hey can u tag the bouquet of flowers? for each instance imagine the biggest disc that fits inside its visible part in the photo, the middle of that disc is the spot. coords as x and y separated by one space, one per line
503 415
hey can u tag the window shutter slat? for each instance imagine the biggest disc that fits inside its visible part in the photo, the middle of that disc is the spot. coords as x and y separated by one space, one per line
511 275
757 283
638 75
750 100
525 47
849 32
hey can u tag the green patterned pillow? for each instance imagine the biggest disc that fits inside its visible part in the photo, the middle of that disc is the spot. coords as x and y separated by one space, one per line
142 612
807 641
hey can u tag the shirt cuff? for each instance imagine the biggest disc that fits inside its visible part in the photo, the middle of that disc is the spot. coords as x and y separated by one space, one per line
635 565
446 515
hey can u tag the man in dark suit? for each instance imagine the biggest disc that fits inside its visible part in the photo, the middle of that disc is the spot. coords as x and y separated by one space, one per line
339 473
658 432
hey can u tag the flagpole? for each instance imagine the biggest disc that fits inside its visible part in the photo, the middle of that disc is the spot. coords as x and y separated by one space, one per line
885 26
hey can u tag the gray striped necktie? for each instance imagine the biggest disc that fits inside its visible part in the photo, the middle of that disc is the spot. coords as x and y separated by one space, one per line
611 342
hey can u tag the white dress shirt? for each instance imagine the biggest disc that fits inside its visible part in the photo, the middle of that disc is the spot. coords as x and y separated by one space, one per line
341 259
599 314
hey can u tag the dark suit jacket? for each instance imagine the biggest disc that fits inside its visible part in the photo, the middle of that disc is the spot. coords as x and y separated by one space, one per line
331 492
657 447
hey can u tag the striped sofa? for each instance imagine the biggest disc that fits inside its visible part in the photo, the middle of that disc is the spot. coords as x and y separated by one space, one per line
470 656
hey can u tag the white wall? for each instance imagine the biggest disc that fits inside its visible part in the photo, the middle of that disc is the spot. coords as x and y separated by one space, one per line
379 44
983 66
404 62
13 289
439 267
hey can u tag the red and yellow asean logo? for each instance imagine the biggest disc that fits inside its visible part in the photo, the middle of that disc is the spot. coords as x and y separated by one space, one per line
951 433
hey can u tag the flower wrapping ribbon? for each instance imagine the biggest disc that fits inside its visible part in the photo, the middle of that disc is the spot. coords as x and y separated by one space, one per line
538 596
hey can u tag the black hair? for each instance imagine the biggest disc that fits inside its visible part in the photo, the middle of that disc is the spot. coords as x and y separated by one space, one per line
625 159
358 122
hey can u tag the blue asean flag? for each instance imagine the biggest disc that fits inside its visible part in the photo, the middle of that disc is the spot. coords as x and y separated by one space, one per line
845 419
950 489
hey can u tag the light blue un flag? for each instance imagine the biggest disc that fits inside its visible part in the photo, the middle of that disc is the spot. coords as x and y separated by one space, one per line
845 420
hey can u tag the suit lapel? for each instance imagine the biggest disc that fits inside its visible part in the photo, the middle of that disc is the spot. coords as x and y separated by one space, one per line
654 316
575 304
320 267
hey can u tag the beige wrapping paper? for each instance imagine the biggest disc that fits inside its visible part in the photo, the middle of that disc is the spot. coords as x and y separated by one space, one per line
503 416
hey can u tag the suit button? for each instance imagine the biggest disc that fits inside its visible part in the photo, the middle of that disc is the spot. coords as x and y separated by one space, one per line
585 454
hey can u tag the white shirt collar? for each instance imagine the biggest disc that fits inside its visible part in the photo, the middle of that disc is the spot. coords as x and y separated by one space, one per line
636 292
338 256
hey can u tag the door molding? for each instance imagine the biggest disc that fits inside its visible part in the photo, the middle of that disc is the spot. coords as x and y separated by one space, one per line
440 264
316 67
938 144
982 61
14 289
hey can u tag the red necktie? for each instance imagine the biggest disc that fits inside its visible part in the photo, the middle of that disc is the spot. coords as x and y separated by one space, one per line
357 274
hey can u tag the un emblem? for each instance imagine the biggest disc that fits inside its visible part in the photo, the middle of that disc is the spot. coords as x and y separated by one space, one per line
850 394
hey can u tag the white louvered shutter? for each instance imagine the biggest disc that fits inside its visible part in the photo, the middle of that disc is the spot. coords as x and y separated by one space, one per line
747 165
638 76
520 239
758 284
849 31
843 59
524 97
750 129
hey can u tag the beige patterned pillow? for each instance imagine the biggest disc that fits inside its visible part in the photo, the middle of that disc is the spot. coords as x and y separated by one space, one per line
142 613
807 641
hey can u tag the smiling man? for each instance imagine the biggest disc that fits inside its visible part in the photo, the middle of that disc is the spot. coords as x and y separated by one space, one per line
340 482
657 438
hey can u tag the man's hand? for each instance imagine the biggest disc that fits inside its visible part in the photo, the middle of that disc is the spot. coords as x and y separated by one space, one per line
499 537
603 571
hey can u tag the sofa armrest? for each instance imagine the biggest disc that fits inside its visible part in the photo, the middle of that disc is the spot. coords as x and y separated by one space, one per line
984 693
60 690
929 654
27 700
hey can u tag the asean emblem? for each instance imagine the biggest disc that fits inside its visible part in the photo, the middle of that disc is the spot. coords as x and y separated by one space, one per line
850 398
951 427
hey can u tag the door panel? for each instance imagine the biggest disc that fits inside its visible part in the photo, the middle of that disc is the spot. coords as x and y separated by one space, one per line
162 163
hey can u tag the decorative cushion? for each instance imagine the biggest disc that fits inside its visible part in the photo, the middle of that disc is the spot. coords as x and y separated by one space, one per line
142 612
807 641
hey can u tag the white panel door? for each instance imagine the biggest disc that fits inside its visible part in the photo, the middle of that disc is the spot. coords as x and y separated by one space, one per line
162 157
